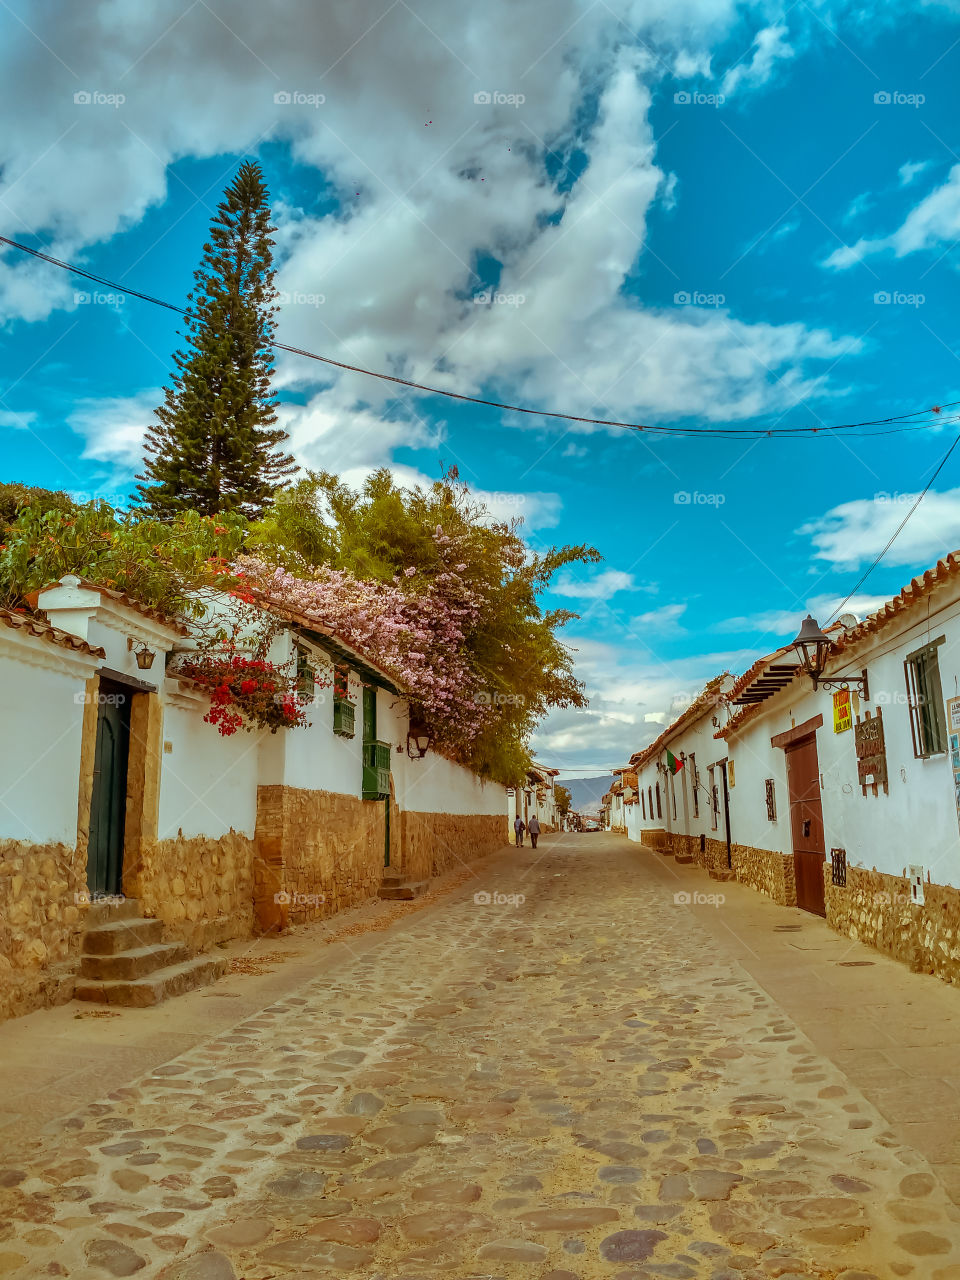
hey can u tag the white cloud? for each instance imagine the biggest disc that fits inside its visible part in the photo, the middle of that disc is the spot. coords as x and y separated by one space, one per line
419 200
631 697
780 625
113 429
935 220
600 587
912 169
664 621
853 533
769 48
17 421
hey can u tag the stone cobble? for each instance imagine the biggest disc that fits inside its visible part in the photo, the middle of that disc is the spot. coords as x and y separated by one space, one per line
576 1085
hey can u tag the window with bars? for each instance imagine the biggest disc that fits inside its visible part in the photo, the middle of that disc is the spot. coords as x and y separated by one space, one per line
659 806
925 700
695 785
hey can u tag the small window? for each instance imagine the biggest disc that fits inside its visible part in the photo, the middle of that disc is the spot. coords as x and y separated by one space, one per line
673 798
643 805
306 682
925 700
659 806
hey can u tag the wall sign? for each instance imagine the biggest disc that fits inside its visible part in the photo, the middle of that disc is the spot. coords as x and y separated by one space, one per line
842 711
871 752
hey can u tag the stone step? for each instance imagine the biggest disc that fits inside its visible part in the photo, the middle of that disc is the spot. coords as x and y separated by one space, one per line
683 857
721 873
105 912
398 889
141 993
125 965
122 935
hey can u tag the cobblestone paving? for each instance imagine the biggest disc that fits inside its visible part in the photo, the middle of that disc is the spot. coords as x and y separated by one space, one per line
582 1085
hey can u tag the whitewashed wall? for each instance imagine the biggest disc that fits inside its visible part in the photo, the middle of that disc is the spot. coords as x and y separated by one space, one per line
694 739
437 785
41 722
208 784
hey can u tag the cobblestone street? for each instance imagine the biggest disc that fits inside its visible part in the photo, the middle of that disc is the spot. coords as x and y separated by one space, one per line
583 1083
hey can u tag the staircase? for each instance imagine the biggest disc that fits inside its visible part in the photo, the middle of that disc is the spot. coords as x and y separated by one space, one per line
396 887
124 961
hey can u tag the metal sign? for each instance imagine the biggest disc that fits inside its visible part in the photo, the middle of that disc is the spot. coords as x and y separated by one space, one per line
842 711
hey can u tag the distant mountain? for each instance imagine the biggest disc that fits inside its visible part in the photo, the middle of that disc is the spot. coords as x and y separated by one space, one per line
586 793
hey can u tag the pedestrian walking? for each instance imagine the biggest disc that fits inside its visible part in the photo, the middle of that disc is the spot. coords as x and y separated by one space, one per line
534 828
519 829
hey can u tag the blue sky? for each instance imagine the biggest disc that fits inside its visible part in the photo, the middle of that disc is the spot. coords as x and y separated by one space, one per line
701 213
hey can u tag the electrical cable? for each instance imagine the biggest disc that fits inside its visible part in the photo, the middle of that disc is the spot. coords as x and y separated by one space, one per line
721 432
896 533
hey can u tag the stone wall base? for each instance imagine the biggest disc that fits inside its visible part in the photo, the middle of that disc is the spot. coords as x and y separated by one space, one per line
432 843
200 887
40 924
876 909
317 853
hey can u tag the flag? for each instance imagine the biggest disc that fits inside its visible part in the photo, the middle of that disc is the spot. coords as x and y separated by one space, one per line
673 764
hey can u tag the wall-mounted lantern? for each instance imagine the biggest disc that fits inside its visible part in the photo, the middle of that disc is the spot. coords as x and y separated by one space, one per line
813 648
419 741
144 655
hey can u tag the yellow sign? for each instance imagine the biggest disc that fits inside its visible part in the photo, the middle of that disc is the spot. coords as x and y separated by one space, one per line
842 714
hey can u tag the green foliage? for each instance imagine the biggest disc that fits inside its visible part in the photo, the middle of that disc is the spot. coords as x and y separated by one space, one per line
13 496
562 798
160 562
383 530
215 446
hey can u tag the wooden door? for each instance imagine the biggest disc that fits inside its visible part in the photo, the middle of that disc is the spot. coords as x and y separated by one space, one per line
806 823
109 799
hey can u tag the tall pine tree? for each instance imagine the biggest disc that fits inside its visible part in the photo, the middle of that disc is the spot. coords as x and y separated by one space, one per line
215 446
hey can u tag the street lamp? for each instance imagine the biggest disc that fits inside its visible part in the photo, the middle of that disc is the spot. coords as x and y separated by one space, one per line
813 648
419 741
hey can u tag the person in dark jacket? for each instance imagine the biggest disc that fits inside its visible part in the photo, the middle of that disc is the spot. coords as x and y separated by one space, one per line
534 828
519 828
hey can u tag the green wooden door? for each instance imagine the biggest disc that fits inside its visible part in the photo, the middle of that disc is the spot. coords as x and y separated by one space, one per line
369 713
109 801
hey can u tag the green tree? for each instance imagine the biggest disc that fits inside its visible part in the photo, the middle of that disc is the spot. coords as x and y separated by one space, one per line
215 446
383 530
562 798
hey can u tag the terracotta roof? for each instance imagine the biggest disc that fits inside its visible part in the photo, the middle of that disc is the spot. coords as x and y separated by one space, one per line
746 712
915 591
121 597
709 695
43 631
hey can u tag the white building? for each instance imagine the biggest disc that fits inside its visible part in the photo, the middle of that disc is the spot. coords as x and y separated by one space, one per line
116 790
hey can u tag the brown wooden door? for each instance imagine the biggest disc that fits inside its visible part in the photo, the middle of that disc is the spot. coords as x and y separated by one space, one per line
806 823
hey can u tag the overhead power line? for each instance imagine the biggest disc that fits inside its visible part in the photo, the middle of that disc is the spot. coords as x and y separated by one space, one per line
906 420
896 533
